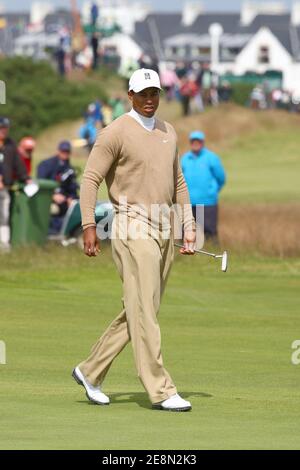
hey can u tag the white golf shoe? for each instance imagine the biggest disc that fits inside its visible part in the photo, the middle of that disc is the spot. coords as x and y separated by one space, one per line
174 403
94 394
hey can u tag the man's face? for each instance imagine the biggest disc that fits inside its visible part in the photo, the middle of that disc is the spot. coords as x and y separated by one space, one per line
64 155
4 131
146 101
197 145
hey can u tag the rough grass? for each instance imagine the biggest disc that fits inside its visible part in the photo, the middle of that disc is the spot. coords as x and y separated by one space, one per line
226 342
270 229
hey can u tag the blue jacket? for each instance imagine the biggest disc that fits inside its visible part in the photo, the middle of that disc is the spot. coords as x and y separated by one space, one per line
60 171
204 175
89 131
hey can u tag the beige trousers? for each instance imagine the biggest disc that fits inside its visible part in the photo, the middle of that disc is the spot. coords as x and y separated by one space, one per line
144 265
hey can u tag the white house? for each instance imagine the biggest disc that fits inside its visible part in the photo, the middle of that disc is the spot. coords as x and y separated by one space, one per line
261 53
262 37
128 50
123 12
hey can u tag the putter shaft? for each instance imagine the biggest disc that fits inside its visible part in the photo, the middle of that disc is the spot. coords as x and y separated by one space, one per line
200 251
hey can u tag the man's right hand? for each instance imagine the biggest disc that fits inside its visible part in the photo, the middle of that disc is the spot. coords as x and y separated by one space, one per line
91 242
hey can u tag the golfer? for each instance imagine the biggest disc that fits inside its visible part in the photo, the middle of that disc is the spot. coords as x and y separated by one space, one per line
138 158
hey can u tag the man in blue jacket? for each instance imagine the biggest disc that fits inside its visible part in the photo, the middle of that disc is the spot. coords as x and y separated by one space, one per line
59 169
205 177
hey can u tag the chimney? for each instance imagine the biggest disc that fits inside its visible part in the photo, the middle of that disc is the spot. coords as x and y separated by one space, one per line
39 11
295 14
191 10
251 9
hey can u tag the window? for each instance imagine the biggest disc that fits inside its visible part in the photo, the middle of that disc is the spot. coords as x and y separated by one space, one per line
230 53
168 52
204 50
194 51
181 52
264 55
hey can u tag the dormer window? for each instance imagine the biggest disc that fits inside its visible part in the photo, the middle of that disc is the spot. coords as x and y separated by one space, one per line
264 55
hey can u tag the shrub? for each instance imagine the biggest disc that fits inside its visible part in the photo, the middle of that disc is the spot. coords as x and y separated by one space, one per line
241 93
37 97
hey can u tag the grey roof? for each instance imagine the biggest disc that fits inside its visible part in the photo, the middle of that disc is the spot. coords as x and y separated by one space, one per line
15 17
235 40
272 21
229 21
56 20
190 39
280 25
169 25
42 39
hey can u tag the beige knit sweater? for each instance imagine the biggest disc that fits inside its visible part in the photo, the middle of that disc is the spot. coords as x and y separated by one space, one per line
140 167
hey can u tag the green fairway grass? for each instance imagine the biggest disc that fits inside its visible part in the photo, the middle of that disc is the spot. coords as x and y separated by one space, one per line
226 342
264 167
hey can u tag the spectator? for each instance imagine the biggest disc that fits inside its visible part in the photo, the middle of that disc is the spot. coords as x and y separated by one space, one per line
195 90
94 14
89 132
25 149
258 98
11 169
107 114
118 108
144 61
168 80
206 80
205 177
66 42
60 57
154 63
99 114
181 70
59 169
188 90
225 91
95 46
214 90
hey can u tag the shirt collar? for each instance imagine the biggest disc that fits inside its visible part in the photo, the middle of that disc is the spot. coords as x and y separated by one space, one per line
195 155
147 123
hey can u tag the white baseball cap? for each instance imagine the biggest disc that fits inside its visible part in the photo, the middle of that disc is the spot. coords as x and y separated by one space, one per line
144 78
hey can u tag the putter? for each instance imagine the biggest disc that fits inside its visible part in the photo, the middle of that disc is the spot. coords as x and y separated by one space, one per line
224 257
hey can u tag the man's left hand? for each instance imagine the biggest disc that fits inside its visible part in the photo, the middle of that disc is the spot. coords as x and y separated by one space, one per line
189 242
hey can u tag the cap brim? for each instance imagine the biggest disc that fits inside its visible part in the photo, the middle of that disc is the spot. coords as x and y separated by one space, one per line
138 89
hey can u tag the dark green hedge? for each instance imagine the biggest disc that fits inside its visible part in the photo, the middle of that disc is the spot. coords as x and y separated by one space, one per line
241 93
36 97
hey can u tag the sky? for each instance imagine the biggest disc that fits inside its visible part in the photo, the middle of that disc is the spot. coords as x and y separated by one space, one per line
159 5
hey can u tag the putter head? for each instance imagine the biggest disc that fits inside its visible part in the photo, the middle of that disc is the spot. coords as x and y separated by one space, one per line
224 261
